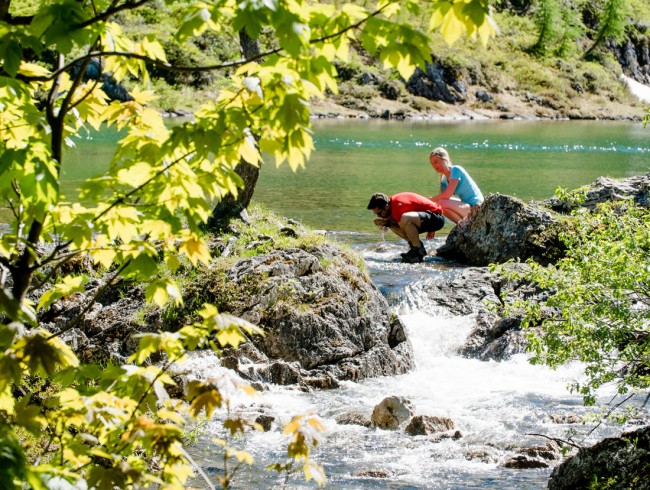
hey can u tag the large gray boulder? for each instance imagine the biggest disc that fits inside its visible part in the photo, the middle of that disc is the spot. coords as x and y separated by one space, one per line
616 463
438 82
324 320
504 228
319 312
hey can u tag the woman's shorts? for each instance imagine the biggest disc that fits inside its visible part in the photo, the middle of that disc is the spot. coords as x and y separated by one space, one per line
430 221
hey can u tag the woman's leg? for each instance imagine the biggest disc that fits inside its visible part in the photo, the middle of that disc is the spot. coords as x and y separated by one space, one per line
454 209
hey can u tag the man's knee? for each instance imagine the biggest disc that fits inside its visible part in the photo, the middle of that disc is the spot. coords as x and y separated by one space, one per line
409 218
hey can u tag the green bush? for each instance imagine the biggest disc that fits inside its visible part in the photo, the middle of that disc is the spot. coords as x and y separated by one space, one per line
598 309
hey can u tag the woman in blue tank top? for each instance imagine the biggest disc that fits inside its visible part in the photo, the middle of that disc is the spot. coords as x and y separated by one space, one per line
454 181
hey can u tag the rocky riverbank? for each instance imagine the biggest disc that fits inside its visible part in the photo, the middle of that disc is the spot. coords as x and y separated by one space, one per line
444 91
504 105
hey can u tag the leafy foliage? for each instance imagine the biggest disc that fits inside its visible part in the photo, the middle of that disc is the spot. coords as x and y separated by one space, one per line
115 427
598 311
549 25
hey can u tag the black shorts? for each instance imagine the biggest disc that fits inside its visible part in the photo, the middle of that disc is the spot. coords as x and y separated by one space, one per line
430 221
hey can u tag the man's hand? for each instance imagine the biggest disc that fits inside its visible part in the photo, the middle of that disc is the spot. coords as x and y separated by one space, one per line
382 222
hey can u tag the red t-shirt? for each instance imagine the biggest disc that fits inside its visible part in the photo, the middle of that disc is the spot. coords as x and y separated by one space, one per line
405 202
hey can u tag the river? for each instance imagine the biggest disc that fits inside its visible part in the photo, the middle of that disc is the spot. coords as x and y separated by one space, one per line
527 159
495 405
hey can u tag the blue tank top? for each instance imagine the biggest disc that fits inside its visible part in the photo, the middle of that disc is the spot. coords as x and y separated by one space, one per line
466 190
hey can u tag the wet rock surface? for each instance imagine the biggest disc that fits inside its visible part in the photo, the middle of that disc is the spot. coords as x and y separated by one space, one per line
477 291
426 425
354 418
505 228
617 462
323 319
391 412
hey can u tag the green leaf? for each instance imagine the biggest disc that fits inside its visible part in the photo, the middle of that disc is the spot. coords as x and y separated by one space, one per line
70 284
156 293
10 370
44 357
11 55
204 397
29 416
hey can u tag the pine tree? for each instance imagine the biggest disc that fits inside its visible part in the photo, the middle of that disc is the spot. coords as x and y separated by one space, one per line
549 23
612 23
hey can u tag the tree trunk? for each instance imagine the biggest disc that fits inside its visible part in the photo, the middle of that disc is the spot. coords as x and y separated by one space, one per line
235 207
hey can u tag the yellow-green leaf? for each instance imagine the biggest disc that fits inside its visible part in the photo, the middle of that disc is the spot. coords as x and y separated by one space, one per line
7 401
69 285
195 249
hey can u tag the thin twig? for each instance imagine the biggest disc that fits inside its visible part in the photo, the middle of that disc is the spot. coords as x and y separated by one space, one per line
198 469
645 402
609 412
50 274
121 199
112 11
163 370
555 439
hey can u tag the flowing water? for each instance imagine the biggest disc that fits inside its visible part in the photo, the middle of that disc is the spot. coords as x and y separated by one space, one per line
495 405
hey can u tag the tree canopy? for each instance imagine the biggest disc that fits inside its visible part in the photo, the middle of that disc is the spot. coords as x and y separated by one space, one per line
143 215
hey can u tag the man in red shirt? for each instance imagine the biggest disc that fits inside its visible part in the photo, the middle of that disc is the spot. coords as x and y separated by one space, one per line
408 214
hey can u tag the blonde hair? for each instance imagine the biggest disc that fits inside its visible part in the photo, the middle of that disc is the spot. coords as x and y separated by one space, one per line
440 153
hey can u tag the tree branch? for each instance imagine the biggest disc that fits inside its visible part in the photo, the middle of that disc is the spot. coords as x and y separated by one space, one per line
190 69
609 412
112 11
555 439
121 199
198 469
49 276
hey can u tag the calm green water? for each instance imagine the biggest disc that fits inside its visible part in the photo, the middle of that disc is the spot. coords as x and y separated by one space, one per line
355 158
527 159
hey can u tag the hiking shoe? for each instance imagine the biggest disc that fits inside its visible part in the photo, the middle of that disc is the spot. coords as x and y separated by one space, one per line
411 251
415 255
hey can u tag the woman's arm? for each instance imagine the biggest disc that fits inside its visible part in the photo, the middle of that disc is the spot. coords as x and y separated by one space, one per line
448 192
